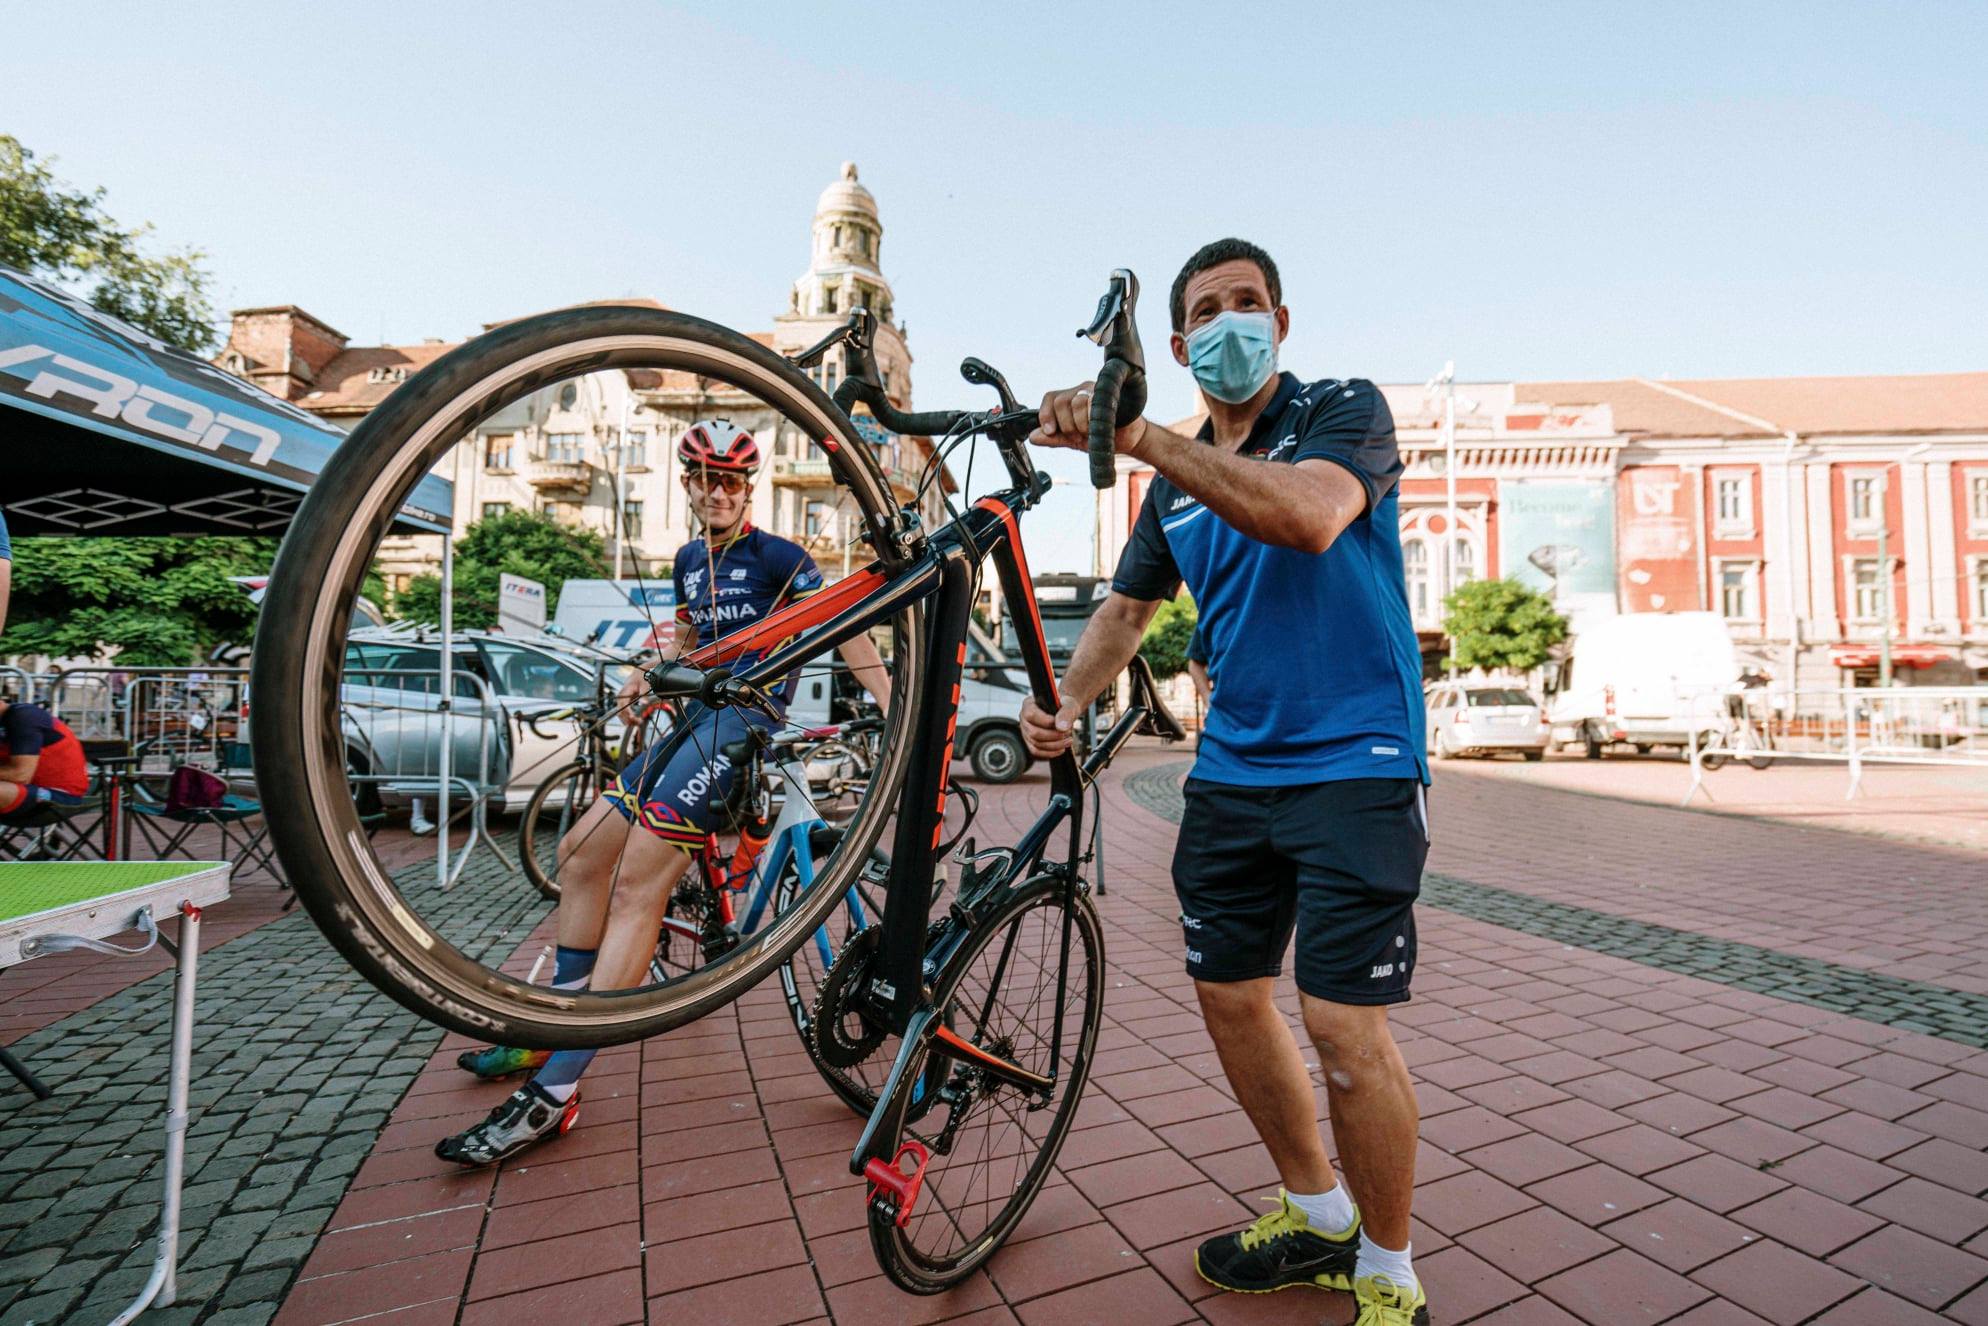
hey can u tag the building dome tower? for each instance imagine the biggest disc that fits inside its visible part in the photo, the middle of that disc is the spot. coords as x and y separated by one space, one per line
845 272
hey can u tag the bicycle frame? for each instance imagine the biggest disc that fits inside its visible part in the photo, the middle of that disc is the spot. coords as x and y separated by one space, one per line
946 570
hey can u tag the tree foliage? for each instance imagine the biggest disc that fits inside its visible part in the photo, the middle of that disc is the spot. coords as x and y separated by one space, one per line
153 602
1165 645
51 229
1495 624
522 543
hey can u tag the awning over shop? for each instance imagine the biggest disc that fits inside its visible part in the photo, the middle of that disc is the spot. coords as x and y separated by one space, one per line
105 430
1902 656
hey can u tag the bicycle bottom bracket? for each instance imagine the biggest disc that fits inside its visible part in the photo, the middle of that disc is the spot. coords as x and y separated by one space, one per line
843 1032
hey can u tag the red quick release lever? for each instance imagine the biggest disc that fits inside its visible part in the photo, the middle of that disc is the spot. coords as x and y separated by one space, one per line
889 1177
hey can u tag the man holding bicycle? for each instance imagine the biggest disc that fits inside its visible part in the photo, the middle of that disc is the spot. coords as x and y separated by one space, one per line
619 864
1305 810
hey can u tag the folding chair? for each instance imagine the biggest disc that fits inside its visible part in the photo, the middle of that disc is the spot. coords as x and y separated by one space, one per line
166 829
43 833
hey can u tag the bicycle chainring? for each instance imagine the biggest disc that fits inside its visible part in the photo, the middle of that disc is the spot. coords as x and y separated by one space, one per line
842 1032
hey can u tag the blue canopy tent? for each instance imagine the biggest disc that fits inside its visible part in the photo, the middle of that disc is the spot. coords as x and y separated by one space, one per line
106 430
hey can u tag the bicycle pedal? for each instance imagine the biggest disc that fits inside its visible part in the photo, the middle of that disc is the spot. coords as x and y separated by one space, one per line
892 1191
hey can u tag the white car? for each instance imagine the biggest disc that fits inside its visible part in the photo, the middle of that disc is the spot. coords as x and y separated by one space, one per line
1483 720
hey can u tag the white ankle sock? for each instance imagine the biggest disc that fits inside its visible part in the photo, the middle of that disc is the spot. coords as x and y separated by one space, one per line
1376 1260
1328 1212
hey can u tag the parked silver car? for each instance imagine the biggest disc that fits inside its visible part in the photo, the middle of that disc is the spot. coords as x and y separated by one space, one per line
393 722
1482 720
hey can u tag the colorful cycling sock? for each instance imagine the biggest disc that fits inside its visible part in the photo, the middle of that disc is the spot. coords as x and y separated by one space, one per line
560 1077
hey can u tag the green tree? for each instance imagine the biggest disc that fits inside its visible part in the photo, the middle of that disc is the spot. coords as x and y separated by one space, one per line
52 229
1165 645
520 542
1501 624
154 602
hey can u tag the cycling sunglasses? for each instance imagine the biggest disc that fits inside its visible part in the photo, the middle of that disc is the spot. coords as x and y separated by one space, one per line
729 480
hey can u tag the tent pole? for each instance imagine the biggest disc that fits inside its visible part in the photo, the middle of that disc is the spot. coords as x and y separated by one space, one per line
448 690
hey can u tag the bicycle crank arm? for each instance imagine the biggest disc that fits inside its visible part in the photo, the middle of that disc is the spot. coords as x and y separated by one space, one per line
866 1144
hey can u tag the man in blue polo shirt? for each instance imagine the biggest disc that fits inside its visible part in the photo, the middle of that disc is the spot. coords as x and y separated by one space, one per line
1305 808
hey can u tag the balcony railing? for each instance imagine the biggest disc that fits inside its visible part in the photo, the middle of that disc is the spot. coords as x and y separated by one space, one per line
560 475
817 474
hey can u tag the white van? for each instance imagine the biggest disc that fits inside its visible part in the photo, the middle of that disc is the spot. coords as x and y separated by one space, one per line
1644 678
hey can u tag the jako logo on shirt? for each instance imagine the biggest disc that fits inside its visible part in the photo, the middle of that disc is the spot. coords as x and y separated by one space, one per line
1181 501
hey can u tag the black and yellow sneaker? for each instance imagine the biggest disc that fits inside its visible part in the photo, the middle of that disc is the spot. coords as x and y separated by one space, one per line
1279 1251
1382 1302
526 1116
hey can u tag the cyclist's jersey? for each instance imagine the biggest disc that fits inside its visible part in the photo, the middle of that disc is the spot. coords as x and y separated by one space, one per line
29 729
752 575
1321 676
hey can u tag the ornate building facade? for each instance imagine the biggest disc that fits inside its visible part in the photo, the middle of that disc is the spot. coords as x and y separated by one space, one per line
571 450
1805 511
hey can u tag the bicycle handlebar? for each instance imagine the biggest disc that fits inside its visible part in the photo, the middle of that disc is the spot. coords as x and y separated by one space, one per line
1118 397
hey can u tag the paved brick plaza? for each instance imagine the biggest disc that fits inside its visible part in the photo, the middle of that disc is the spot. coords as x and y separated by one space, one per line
1674 1067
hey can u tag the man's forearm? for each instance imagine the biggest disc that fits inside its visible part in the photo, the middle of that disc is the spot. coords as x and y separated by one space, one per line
1283 505
1104 649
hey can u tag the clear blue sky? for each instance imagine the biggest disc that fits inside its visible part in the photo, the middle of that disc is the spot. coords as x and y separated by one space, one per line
1532 190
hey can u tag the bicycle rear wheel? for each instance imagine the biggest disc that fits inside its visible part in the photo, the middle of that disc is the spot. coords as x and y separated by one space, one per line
556 806
1027 986
439 946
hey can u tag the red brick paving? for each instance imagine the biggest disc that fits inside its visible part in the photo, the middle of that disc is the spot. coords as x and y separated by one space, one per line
1604 1143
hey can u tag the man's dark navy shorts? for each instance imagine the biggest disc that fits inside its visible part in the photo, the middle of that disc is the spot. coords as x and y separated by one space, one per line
1339 862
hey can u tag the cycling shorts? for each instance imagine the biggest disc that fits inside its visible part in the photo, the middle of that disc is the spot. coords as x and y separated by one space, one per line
675 787
1340 863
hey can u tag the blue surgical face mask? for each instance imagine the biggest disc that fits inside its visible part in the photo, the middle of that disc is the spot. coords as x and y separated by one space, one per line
1234 354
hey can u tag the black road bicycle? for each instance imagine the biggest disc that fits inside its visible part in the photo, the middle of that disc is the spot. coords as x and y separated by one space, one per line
968 1035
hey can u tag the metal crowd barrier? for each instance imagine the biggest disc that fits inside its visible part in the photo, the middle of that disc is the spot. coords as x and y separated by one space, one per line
1926 725
21 685
395 723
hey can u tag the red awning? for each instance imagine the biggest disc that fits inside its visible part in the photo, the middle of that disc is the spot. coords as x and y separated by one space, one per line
1902 656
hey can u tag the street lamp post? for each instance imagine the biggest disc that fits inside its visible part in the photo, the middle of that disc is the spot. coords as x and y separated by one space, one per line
1884 581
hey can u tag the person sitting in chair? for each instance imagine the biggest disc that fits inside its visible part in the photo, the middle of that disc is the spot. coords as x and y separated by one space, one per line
41 762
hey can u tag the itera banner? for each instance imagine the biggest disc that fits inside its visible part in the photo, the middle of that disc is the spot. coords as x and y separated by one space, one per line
1558 535
520 604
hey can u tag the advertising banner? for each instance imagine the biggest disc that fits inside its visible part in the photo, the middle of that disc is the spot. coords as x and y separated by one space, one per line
1558 535
520 604
1657 509
622 615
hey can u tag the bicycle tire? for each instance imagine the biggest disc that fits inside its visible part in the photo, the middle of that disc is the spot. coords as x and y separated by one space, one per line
530 849
325 555
899 1249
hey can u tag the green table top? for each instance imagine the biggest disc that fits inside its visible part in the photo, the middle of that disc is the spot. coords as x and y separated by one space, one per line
37 886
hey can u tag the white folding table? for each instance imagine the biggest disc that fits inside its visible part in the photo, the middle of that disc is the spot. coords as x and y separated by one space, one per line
55 907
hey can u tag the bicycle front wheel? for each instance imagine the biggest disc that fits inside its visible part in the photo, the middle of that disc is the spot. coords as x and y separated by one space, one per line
438 939
1026 987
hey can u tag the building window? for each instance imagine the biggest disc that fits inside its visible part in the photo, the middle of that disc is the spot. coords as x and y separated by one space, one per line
631 520
1866 593
1733 505
497 451
634 449
564 448
828 299
816 520
566 513
1463 563
1977 501
1980 613
492 510
1415 561
828 377
1736 581
1864 509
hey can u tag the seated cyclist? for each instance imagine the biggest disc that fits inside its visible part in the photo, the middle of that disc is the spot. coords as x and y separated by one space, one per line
41 762
619 863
